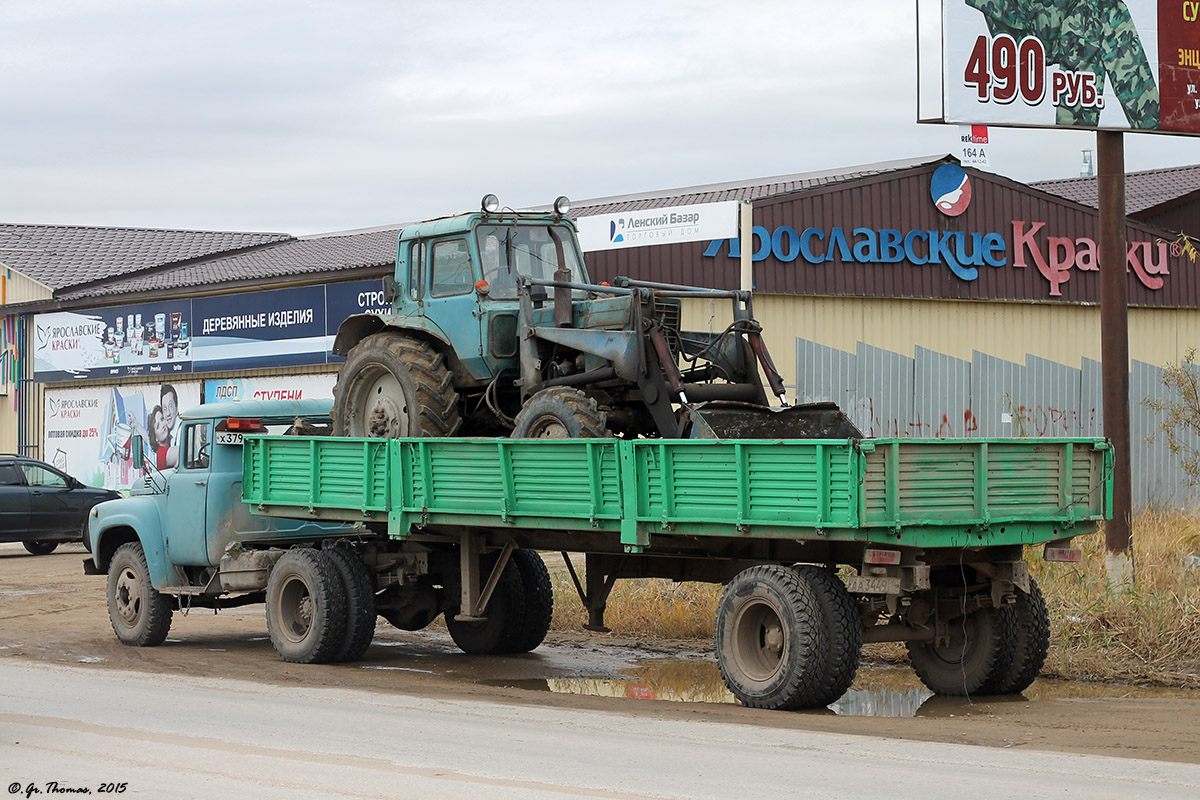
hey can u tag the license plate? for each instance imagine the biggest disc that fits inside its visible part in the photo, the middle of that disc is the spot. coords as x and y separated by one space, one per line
229 437
869 584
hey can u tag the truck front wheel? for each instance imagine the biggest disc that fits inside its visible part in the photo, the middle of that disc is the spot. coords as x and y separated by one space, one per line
392 386
140 614
306 607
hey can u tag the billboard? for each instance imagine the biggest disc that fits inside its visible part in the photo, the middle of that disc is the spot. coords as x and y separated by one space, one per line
1115 65
89 432
246 330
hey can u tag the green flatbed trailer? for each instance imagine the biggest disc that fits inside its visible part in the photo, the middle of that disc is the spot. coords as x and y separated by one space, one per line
823 544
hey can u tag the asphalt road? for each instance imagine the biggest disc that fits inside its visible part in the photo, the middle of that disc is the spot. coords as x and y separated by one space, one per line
183 737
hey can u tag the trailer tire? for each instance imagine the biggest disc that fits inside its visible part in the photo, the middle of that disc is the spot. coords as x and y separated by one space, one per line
41 547
139 613
393 385
538 603
306 607
772 645
561 412
1031 641
979 653
360 603
505 618
839 614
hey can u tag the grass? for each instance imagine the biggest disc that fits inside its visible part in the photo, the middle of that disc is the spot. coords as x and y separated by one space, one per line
1149 633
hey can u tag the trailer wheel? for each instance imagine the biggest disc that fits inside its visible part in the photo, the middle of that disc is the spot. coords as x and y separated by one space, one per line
360 603
1031 641
561 412
40 548
538 603
978 654
505 618
839 614
771 640
140 614
306 607
393 385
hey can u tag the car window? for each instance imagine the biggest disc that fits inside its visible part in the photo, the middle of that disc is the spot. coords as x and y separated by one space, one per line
195 444
40 476
9 476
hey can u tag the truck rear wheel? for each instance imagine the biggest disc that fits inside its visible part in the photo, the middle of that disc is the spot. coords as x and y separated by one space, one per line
306 607
393 385
974 660
561 412
360 603
538 600
839 615
504 623
1031 641
771 639
140 614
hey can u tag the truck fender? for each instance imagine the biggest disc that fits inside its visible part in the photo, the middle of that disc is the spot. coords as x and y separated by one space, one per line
357 327
115 522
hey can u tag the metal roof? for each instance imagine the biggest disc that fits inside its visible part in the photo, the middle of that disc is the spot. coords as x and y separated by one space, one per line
68 255
752 189
1143 190
309 255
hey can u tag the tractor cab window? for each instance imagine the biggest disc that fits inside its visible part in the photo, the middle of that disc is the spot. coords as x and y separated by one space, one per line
450 272
507 251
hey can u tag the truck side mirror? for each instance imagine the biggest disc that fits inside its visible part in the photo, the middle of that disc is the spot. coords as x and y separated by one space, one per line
391 290
139 455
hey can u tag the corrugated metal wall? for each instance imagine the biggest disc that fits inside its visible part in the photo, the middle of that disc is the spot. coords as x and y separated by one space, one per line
1060 333
16 287
935 395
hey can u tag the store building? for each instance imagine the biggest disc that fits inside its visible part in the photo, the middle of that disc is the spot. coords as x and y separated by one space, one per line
914 293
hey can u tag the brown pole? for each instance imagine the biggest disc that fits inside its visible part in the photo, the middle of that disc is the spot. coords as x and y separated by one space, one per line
1114 344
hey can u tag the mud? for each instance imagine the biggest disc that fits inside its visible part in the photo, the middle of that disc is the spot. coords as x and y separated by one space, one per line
51 612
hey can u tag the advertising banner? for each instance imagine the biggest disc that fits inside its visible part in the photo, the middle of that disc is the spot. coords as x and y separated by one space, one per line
89 432
1119 64
694 223
249 330
297 387
284 327
143 339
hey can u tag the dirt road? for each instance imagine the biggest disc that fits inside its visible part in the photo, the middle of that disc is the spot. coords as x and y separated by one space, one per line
51 612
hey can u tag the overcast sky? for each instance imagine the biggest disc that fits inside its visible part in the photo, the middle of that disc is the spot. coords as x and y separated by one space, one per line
305 117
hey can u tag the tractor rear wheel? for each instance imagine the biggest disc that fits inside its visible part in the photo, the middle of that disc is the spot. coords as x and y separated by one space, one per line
393 385
561 412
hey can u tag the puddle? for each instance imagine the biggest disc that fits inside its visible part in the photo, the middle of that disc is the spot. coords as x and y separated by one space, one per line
26 592
876 692
397 669
92 660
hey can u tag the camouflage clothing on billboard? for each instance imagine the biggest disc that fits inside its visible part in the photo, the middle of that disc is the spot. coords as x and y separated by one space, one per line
1096 36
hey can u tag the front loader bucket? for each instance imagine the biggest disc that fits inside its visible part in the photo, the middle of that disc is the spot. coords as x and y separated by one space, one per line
724 419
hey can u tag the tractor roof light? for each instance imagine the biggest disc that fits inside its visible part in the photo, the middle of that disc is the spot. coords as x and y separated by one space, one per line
561 205
490 204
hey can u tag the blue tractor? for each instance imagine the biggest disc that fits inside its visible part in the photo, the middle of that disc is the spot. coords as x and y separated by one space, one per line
497 329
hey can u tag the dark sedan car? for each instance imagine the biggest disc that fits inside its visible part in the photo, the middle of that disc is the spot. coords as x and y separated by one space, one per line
41 506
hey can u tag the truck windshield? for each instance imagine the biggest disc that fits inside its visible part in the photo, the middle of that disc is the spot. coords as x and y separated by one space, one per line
527 249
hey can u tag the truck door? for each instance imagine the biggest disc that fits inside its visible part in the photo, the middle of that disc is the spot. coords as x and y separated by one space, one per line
185 522
14 504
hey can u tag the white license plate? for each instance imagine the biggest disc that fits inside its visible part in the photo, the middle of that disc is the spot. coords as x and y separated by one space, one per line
229 437
869 584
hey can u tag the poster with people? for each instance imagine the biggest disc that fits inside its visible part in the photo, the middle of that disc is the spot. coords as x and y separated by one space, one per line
90 433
